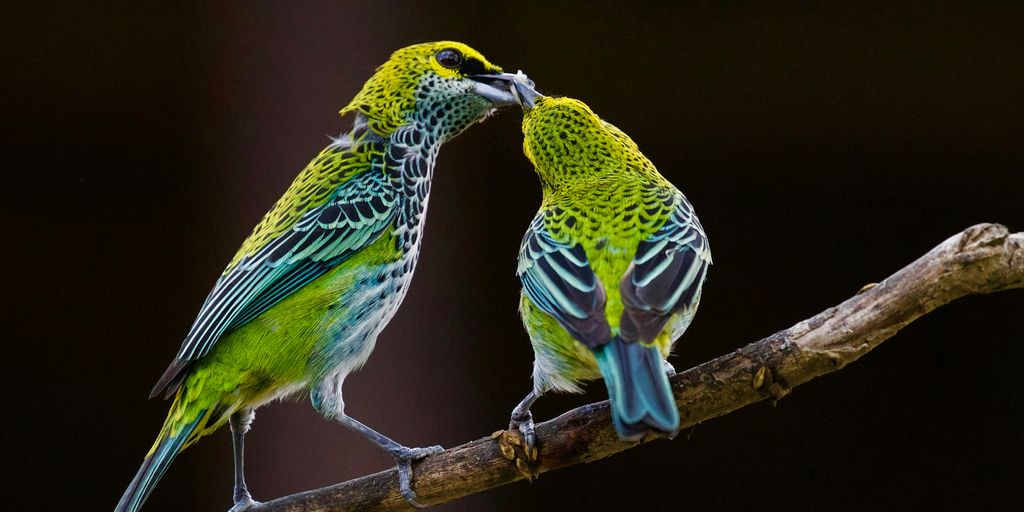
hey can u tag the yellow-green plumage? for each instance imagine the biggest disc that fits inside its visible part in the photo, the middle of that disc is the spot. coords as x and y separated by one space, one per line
302 302
310 189
276 353
612 265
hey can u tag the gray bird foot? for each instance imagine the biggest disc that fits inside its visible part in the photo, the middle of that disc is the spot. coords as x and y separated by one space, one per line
669 369
243 503
519 444
404 457
524 424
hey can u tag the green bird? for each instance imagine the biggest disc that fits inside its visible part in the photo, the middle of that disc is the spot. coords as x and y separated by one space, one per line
611 267
300 305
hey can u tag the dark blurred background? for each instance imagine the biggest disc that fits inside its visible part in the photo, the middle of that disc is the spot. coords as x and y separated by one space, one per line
823 147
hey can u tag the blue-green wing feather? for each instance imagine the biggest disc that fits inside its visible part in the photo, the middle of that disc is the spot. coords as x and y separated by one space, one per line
354 216
557 278
666 274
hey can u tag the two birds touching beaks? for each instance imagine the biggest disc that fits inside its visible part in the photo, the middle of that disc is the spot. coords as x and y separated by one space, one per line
611 266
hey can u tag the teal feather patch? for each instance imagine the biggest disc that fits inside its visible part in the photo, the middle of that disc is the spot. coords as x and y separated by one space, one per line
154 467
323 237
638 389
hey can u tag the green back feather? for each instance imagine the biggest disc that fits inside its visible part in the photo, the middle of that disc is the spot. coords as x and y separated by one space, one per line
599 190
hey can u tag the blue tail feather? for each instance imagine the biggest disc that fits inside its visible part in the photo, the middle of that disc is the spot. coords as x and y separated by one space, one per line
639 391
153 468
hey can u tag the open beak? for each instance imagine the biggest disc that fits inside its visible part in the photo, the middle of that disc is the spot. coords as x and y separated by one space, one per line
496 88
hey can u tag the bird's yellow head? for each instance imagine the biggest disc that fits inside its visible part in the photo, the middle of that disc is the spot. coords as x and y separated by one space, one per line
444 86
566 142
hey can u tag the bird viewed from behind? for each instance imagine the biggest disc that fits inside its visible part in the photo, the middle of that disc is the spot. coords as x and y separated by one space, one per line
300 305
611 267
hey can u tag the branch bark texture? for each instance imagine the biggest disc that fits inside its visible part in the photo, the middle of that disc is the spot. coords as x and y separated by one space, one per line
982 259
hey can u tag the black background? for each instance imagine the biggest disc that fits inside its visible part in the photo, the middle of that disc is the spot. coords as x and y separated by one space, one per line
823 147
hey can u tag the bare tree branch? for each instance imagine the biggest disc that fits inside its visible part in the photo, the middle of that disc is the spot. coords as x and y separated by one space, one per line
982 259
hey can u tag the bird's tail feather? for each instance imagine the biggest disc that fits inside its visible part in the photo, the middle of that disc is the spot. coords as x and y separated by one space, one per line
639 391
164 451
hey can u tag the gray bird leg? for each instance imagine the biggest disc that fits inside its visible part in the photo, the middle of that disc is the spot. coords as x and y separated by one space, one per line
240 423
522 420
403 455
326 398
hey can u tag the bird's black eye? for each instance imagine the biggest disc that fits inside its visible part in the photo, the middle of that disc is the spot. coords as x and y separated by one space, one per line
449 58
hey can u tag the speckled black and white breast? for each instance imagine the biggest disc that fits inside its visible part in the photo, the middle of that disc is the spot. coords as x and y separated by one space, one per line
443 110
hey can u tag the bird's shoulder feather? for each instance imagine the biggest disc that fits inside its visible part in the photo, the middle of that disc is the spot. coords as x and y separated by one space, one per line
335 165
342 202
